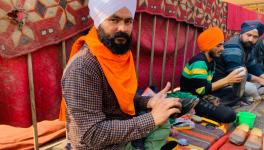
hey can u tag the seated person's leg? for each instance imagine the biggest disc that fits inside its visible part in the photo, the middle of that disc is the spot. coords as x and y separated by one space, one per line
251 90
227 96
219 113
260 88
128 146
154 140
157 138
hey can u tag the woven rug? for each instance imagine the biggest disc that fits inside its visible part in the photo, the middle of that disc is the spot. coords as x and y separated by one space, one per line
201 137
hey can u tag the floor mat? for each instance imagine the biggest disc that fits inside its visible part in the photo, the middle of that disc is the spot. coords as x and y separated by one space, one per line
15 138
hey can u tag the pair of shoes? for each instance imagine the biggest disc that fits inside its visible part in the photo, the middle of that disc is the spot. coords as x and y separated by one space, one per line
254 141
240 134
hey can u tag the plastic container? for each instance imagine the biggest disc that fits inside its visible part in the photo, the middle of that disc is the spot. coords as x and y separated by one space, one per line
246 118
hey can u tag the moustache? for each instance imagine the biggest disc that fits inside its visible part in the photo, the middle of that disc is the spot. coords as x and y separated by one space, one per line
121 35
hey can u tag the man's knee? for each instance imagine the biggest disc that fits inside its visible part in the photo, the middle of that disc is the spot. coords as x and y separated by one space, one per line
228 115
251 89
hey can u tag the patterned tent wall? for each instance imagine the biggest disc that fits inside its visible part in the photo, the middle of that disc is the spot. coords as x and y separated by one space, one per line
28 25
178 22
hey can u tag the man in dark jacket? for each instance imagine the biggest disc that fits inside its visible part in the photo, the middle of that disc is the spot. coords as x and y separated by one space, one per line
259 52
238 53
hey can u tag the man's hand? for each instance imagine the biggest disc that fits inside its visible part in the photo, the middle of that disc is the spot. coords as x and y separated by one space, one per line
261 81
262 76
162 107
235 76
257 79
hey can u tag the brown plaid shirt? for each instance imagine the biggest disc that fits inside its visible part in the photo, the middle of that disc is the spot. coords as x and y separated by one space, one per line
94 118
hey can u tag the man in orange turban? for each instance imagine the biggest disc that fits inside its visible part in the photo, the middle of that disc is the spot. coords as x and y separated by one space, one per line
99 86
197 77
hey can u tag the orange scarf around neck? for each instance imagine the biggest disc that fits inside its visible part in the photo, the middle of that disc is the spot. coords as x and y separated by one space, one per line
118 69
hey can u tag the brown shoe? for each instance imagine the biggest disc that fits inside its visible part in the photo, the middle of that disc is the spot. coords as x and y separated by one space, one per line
254 141
238 136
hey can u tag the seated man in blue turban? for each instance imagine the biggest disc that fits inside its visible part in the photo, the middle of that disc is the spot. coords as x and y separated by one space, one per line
238 52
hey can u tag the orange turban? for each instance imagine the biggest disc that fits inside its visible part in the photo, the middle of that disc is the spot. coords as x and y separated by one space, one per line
210 38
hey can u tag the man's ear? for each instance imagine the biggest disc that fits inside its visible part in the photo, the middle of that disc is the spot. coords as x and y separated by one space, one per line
240 35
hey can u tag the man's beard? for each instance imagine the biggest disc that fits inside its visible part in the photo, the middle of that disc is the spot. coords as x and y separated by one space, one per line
212 54
247 45
110 42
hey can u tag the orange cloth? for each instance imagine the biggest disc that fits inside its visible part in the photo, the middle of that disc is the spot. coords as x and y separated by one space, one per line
15 138
62 115
118 69
210 38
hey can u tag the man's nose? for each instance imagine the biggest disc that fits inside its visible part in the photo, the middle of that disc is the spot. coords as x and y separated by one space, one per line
122 27
250 38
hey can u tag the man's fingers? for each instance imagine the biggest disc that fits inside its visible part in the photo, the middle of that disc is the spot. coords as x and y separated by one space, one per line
174 110
172 103
241 79
173 99
163 95
234 72
166 89
160 95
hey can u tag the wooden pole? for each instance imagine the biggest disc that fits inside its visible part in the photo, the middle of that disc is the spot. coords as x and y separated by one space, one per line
64 61
186 45
175 56
138 42
194 41
164 53
152 50
32 100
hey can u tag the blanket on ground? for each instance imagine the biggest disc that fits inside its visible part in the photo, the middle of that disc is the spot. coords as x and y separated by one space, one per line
15 138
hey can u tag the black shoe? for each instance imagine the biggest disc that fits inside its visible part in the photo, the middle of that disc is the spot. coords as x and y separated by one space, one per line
138 144
205 105
169 146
